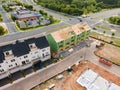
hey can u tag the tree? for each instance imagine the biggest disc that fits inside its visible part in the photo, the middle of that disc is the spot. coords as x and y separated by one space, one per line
0 15
1 30
104 32
51 19
18 24
13 17
113 34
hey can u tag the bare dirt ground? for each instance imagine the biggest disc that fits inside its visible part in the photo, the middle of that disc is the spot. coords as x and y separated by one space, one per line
110 52
70 82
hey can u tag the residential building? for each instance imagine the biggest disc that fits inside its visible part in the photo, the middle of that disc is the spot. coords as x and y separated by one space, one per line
65 38
21 55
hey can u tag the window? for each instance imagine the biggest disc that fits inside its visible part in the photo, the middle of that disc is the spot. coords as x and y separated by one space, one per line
25 56
2 70
10 65
43 50
43 55
7 53
13 60
27 60
23 62
67 43
60 45
16 64
36 52
72 40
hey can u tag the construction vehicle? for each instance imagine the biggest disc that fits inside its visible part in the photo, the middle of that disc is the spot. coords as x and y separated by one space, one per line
105 61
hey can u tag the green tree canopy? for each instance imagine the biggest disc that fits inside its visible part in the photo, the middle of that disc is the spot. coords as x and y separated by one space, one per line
2 31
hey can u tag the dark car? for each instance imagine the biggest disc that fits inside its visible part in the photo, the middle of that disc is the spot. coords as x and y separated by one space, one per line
94 28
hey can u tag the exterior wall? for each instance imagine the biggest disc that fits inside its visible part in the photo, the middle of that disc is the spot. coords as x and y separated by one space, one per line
81 37
45 54
4 73
28 18
52 43
88 33
3 67
24 61
61 45
68 43
12 65
33 55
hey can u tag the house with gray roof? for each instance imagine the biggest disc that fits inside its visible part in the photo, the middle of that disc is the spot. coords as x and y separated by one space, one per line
21 55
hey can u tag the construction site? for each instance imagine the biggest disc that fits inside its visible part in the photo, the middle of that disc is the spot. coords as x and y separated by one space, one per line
84 76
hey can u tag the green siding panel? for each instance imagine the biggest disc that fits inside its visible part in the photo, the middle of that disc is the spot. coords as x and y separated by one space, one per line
52 43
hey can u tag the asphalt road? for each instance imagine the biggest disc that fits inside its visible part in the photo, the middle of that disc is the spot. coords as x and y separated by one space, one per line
66 19
6 19
89 55
23 35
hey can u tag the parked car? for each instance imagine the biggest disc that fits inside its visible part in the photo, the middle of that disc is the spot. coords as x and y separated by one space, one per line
94 28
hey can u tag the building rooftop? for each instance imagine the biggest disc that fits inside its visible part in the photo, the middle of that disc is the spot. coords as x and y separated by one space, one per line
24 13
40 42
20 48
68 32
4 49
28 15
63 34
80 27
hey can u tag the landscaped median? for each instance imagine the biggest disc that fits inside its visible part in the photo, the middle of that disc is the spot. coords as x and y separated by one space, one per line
35 27
106 38
3 29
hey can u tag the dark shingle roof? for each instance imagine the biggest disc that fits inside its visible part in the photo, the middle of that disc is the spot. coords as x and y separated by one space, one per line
1 56
6 47
3 49
20 48
30 41
41 42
